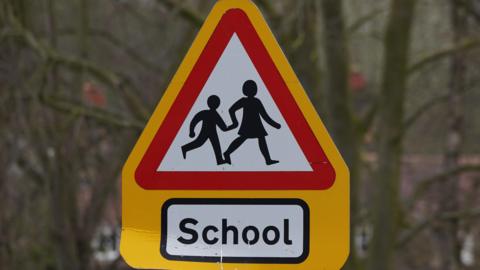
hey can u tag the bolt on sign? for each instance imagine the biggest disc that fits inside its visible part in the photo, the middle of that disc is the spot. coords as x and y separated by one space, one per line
235 169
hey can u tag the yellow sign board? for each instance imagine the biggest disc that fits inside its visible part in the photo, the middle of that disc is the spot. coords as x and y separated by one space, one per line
235 169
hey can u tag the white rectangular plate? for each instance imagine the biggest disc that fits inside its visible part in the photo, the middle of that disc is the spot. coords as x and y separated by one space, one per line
235 230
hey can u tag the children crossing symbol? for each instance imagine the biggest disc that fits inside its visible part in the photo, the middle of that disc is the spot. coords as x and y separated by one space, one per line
210 120
251 126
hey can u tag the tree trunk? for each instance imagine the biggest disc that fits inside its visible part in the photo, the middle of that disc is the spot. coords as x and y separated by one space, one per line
20 10
447 194
84 28
338 99
386 208
83 38
51 24
62 196
303 49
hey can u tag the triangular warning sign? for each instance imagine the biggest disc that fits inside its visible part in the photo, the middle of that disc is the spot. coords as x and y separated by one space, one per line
234 117
235 168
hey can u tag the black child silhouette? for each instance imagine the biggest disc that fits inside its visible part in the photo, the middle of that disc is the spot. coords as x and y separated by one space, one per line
210 120
251 126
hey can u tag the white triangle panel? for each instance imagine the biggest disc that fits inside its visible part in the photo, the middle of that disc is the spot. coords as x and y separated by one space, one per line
226 81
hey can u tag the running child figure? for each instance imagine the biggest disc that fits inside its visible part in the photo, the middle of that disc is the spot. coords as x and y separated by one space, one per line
210 120
251 126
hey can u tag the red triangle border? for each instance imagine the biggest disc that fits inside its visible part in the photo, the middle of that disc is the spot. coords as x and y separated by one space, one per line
323 174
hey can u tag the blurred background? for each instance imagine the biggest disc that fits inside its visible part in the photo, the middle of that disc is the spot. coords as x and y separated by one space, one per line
396 81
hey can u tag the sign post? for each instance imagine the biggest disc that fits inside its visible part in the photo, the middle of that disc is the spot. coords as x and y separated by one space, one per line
235 166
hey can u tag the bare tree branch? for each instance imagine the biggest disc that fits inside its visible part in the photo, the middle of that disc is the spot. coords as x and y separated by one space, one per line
410 235
37 176
114 41
114 80
197 20
464 46
469 6
363 20
366 122
132 53
422 110
269 8
102 189
426 184
185 12
101 116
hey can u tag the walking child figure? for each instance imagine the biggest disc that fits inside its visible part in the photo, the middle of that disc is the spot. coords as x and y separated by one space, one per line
251 126
210 120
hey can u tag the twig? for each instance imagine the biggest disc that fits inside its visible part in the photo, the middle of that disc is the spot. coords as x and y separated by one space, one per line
422 110
114 80
360 22
117 43
92 113
186 12
37 176
132 53
366 122
425 184
269 8
425 108
462 214
102 190
470 8
464 46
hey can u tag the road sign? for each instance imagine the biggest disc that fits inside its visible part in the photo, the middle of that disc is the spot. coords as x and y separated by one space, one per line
235 167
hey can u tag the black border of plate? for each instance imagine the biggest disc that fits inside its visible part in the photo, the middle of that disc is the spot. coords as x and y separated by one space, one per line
249 201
